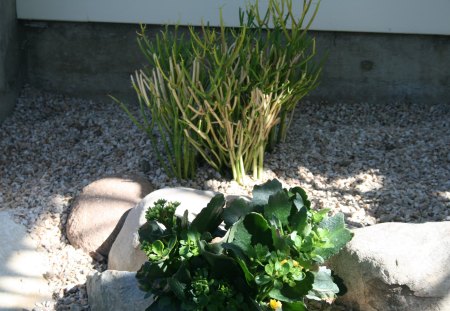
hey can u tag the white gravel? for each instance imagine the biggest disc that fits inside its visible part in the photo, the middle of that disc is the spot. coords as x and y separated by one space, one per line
374 162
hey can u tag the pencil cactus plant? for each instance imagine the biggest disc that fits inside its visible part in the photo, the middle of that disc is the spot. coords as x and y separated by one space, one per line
226 94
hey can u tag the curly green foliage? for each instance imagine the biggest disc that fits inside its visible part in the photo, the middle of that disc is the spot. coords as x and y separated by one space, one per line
208 293
163 212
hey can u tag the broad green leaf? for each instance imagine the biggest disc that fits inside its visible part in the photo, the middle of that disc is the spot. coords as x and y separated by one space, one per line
215 248
318 216
261 193
299 220
293 294
338 235
268 269
172 243
240 258
298 202
177 287
183 275
307 230
261 252
183 222
148 273
222 266
237 210
262 279
158 247
251 230
279 241
307 245
240 237
206 236
303 197
211 216
278 207
150 232
323 287
258 228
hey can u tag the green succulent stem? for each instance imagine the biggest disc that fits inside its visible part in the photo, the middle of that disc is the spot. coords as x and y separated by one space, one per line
224 94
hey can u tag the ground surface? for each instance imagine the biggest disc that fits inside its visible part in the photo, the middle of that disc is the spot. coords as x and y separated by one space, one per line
375 163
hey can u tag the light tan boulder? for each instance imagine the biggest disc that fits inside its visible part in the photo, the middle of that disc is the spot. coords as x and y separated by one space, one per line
99 211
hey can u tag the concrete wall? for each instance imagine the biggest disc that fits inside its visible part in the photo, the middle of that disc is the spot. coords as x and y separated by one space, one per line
9 57
96 59
369 67
82 59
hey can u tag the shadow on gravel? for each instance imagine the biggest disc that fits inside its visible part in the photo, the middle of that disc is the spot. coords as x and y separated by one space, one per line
74 299
390 159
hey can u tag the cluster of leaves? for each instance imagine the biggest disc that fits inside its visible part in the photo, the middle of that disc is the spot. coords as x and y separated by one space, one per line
271 256
184 269
280 244
225 94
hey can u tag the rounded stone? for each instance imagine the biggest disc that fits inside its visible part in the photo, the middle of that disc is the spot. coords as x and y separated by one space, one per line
396 266
99 211
125 254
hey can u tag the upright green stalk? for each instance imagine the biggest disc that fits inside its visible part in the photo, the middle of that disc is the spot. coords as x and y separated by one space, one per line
225 94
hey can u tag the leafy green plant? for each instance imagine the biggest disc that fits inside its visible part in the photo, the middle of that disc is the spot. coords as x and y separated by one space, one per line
280 244
270 258
185 271
225 94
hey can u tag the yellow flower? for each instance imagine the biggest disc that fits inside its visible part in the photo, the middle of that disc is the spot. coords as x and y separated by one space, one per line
283 261
275 304
295 263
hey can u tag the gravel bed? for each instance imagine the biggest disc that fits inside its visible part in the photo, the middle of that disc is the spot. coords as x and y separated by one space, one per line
373 162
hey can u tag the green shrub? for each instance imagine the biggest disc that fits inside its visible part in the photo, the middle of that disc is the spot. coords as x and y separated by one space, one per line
226 94
270 257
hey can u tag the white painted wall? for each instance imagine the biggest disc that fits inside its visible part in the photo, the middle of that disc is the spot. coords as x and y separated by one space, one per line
386 16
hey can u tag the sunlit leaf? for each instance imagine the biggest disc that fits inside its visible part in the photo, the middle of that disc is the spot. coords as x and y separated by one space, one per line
237 210
261 193
210 217
338 235
278 208
323 287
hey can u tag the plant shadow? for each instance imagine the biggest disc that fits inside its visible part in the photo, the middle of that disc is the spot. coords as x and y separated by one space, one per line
385 161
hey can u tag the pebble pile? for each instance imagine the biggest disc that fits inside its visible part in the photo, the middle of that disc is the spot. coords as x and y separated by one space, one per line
374 162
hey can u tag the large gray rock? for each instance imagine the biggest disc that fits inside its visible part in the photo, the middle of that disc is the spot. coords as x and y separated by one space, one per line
115 291
397 266
99 211
125 253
